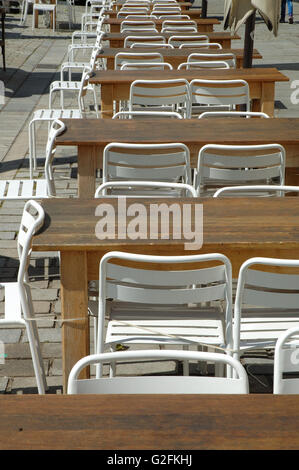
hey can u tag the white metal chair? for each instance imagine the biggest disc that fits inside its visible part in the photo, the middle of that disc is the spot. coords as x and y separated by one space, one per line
149 45
146 114
19 311
161 95
135 58
146 162
45 8
159 384
205 65
233 114
228 165
229 58
135 26
133 40
286 363
88 41
80 66
80 88
24 10
159 303
266 303
219 95
256 190
177 25
178 41
145 189
146 66
25 189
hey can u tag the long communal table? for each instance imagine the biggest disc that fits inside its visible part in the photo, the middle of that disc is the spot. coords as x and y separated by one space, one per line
115 85
174 56
240 229
149 422
92 135
223 38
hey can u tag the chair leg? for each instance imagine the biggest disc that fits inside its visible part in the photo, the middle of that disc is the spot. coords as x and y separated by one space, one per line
185 363
36 357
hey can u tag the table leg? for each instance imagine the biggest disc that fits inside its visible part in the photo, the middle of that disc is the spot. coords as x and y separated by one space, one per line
74 304
267 98
204 8
107 101
86 171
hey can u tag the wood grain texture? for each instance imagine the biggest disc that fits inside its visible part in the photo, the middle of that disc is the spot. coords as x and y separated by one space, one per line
261 422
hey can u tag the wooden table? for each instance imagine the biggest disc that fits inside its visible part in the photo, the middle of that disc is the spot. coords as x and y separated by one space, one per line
128 422
2 40
223 38
115 85
239 228
175 56
91 136
203 25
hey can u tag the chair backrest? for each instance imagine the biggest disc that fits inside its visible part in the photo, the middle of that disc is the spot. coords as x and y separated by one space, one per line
159 384
269 290
57 127
174 16
132 11
179 29
153 45
228 165
130 40
131 58
144 189
229 58
142 25
205 65
233 114
166 280
256 190
177 41
32 219
164 93
146 114
220 93
286 363
158 10
202 46
146 66
146 162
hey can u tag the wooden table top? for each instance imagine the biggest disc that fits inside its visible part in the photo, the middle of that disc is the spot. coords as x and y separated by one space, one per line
234 224
189 131
110 52
123 422
267 74
213 35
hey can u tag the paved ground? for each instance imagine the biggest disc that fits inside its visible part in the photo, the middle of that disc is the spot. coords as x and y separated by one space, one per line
33 62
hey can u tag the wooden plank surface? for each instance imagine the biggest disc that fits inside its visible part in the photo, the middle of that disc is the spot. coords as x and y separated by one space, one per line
122 422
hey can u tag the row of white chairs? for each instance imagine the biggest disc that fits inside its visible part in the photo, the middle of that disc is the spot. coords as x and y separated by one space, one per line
255 288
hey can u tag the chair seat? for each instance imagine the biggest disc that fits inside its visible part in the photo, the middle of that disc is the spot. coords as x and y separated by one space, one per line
178 326
51 114
23 189
13 312
258 327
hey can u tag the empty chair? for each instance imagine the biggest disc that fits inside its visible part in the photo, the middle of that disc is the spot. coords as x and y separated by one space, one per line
146 25
45 8
158 384
148 162
35 188
151 39
153 45
221 95
133 58
266 303
174 16
286 363
256 190
173 26
80 66
233 114
18 304
80 88
88 41
146 66
178 41
146 114
228 165
144 189
229 58
161 95
162 300
200 45
205 65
